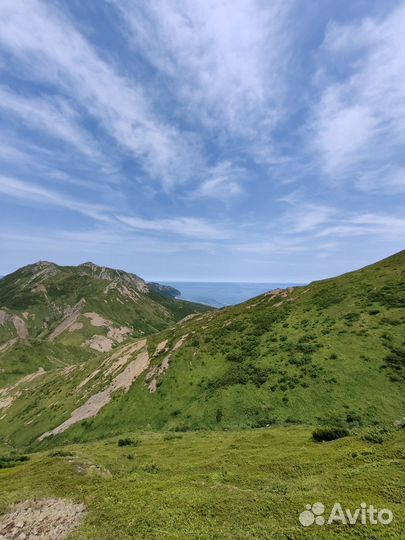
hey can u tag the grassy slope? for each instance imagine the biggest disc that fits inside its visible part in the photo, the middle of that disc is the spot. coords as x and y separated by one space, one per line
333 354
329 354
65 286
221 485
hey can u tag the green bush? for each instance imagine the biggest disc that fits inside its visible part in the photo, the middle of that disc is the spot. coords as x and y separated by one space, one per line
172 436
128 442
375 435
12 460
151 468
240 374
329 433
60 453
390 296
235 356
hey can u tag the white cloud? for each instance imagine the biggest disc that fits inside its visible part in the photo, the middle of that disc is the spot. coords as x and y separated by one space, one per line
358 122
270 248
222 182
388 179
29 192
225 61
52 115
371 225
51 49
308 217
181 226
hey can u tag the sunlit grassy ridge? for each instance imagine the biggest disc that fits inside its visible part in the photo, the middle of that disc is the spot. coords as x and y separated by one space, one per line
218 485
330 353
222 444
43 295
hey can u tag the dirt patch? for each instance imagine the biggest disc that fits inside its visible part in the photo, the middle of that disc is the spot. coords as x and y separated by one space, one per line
96 319
162 347
7 345
121 357
20 327
71 316
3 317
180 342
187 318
45 519
99 343
119 334
9 394
96 402
125 379
116 334
75 326
40 288
164 365
88 379
17 322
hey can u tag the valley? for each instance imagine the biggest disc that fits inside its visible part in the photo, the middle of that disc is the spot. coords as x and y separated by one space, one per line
208 426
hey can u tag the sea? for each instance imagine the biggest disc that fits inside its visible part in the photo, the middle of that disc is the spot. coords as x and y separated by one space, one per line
219 295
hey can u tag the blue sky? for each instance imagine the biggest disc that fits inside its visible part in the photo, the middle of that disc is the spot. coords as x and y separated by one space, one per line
194 140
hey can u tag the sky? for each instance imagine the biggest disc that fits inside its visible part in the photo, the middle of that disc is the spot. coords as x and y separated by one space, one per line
191 140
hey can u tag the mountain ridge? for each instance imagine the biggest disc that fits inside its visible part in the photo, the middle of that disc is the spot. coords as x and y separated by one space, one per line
326 353
69 311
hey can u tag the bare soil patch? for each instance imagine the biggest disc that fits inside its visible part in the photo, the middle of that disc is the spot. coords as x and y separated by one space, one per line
45 519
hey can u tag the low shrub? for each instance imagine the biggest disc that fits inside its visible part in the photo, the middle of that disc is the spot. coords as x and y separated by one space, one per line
329 433
375 435
151 468
128 442
60 453
12 460
172 436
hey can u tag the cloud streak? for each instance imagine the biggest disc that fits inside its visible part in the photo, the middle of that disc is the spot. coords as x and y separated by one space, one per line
38 35
28 192
225 63
180 226
358 122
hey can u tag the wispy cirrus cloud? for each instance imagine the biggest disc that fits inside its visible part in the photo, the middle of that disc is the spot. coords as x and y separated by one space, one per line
180 226
222 182
54 116
358 121
184 125
50 48
28 192
226 64
365 225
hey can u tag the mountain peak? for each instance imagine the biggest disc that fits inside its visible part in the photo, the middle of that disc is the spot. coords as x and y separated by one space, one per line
89 264
43 264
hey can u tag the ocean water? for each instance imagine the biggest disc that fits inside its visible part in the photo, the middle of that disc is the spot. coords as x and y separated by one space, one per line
222 294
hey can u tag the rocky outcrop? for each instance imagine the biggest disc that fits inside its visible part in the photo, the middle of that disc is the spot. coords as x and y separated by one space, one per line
45 519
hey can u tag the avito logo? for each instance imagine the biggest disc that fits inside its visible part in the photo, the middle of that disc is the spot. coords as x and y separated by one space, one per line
315 514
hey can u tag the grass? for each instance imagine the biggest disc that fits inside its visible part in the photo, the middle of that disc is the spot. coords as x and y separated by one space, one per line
328 354
144 313
225 447
218 485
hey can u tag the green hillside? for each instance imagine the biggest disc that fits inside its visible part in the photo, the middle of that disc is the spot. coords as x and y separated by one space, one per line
209 428
330 353
52 316
216 485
